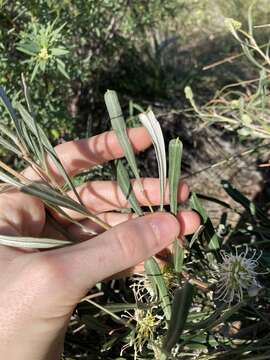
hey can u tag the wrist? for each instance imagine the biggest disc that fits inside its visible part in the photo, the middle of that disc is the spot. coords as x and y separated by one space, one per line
29 343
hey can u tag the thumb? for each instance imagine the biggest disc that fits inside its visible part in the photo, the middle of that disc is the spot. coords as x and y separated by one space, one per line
117 249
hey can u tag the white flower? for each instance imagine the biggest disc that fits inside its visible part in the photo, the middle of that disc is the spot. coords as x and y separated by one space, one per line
236 275
153 127
143 288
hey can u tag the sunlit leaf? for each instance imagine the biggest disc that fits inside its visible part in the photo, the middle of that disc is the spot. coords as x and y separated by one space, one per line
150 122
59 51
9 179
31 242
175 157
53 197
8 146
62 68
46 145
125 185
119 126
155 276
209 232
50 195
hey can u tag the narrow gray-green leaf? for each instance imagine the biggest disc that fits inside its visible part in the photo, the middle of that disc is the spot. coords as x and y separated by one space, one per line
93 323
59 210
120 307
45 144
53 197
9 134
107 311
9 107
178 256
31 242
209 230
119 126
175 157
31 134
150 122
62 68
125 185
196 205
250 206
195 236
148 267
50 195
63 172
180 308
11 112
30 109
250 17
27 95
155 276
9 180
30 142
9 146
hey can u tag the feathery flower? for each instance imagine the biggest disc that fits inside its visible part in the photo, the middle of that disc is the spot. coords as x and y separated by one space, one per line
236 275
142 286
144 331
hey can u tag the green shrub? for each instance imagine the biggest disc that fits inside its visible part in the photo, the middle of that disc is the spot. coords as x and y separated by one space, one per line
63 48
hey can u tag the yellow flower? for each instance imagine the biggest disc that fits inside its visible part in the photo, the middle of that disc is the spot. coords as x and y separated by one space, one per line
232 24
146 322
43 54
169 276
143 333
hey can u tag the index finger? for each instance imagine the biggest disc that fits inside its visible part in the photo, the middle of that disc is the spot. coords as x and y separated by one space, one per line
79 155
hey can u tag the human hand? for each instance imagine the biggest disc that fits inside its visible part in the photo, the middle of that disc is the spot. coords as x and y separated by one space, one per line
39 290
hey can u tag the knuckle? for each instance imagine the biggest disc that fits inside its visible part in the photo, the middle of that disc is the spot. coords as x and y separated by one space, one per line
139 240
152 238
125 242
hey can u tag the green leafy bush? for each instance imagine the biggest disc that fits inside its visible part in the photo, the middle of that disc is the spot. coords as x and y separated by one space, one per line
65 47
40 44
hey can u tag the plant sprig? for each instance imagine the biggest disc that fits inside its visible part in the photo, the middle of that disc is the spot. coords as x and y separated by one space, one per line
31 144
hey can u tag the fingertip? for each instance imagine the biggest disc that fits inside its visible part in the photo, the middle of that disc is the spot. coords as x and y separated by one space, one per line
139 138
165 226
189 221
183 191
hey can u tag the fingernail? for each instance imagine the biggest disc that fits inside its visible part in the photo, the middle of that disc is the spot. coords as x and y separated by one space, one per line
165 226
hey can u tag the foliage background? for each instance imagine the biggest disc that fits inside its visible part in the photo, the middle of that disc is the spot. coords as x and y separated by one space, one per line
147 50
